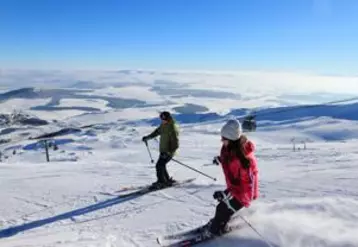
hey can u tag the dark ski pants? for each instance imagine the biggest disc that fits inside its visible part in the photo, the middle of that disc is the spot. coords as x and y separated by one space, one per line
224 210
161 167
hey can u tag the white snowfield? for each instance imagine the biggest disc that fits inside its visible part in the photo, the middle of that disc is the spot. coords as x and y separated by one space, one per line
308 195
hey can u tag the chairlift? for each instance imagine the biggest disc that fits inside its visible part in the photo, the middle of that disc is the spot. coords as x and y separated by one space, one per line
249 123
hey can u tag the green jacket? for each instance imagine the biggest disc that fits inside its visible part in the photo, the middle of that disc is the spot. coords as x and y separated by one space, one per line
169 141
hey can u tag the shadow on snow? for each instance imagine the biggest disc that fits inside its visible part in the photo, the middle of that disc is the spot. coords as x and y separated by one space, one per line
8 232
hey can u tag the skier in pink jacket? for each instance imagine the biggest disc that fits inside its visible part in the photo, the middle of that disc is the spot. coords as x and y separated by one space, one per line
241 174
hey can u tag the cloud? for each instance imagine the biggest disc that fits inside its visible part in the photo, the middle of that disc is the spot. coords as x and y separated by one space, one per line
245 83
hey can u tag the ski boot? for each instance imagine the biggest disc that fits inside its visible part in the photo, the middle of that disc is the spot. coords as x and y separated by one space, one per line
205 231
210 232
158 185
170 182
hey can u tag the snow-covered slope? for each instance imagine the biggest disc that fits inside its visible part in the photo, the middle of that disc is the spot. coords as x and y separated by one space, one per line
306 156
308 197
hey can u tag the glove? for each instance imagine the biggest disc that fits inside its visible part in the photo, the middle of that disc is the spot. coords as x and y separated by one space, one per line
219 195
145 139
216 160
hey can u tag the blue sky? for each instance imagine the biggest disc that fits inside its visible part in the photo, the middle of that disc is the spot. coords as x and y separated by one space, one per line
310 35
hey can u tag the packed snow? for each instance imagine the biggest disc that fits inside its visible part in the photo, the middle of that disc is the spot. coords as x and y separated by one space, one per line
307 161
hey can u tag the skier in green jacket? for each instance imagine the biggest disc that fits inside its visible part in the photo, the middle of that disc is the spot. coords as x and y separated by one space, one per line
168 144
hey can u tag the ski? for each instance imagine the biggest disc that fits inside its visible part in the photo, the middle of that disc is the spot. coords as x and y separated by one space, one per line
194 231
123 189
127 188
143 189
196 237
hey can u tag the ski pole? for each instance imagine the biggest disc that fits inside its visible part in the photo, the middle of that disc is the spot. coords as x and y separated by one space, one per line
181 163
150 155
194 169
253 228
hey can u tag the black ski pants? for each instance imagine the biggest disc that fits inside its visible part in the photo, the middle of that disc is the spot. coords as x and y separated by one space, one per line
161 167
224 210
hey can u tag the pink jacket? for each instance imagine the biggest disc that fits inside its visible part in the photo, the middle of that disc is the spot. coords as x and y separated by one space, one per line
241 183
